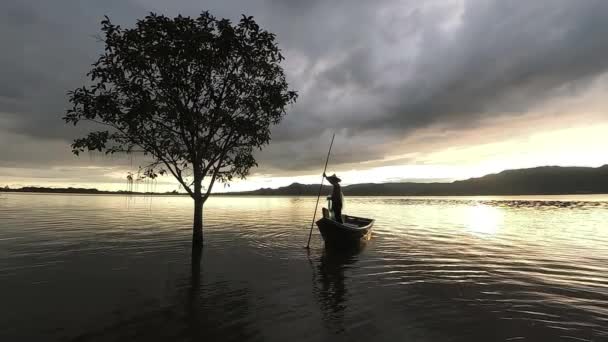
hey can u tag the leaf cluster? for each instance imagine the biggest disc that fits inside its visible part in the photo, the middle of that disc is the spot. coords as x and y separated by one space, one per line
198 95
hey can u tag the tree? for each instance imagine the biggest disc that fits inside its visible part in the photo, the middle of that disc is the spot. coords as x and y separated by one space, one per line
196 95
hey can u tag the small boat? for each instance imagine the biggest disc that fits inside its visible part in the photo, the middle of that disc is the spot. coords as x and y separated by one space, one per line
353 231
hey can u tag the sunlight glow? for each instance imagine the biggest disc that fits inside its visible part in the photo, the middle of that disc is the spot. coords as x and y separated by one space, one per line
484 220
583 145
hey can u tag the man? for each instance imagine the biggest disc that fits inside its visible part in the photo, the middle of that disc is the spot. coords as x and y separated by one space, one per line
337 198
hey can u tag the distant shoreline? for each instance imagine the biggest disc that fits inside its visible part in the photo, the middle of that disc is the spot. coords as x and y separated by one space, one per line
85 191
546 180
323 194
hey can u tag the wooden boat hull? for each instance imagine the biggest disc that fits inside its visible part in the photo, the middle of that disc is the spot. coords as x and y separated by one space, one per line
353 231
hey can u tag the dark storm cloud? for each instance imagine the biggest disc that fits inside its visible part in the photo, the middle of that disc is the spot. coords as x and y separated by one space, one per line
502 57
497 58
505 58
47 48
372 71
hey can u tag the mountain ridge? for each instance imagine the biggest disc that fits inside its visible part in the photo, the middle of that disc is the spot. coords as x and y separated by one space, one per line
542 180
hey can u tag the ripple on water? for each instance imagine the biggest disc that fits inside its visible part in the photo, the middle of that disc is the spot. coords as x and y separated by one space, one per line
437 269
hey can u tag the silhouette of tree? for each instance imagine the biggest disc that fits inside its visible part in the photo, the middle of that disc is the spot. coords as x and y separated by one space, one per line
198 95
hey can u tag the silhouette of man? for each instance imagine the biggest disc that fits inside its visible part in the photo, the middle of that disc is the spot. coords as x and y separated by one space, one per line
337 198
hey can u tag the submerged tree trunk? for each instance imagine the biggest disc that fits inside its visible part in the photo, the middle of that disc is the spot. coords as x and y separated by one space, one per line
197 226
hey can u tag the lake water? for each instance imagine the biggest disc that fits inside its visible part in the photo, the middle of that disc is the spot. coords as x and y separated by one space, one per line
117 268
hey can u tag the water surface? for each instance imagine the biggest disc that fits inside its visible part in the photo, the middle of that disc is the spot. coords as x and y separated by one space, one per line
116 268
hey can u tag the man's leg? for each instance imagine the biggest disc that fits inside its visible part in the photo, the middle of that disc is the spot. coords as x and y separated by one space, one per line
338 214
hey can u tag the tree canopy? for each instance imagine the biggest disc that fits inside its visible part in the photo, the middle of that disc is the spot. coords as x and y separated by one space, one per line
198 95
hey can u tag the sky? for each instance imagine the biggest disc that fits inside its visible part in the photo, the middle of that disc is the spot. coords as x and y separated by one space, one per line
420 90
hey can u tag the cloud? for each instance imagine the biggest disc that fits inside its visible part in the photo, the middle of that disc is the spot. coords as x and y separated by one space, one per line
381 74
454 66
48 49
503 58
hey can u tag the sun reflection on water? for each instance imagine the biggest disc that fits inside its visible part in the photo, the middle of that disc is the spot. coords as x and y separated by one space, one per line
484 220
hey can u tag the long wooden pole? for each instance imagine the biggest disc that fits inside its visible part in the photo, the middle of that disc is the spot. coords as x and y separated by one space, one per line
320 189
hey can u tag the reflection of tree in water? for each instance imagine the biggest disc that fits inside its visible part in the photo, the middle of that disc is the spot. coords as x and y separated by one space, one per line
217 312
329 285
198 312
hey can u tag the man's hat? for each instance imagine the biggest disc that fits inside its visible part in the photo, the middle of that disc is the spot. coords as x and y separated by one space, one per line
334 178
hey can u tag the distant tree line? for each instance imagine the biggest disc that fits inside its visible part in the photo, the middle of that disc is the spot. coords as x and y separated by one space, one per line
72 190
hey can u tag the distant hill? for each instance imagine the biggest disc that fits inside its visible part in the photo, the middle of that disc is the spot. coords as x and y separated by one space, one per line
546 180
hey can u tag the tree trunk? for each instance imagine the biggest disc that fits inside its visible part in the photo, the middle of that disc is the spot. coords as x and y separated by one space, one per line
197 226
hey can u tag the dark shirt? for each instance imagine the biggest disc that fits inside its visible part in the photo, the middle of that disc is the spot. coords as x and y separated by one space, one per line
337 198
